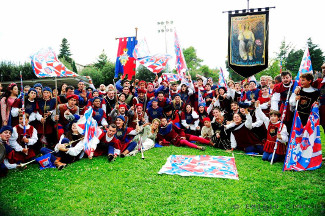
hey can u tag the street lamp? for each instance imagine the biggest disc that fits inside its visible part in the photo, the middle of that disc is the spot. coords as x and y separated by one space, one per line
165 27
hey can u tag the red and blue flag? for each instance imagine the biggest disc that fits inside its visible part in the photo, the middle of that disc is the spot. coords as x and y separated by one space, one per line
170 77
125 61
305 67
181 67
222 80
201 165
88 127
201 100
304 148
45 63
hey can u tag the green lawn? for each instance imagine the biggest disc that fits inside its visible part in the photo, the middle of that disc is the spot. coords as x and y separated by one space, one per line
131 186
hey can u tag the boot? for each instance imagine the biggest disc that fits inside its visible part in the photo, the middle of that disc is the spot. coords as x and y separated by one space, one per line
124 153
110 158
59 164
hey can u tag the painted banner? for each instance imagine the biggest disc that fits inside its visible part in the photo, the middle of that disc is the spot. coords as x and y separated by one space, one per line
201 165
125 62
248 42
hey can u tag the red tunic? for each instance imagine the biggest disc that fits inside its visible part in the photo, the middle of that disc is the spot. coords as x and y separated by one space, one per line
20 156
272 132
63 108
245 137
173 136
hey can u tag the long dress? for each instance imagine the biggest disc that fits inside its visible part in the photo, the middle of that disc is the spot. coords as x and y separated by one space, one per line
147 138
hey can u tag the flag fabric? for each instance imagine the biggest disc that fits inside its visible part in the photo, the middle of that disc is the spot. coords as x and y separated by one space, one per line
281 66
201 165
304 148
305 67
88 127
201 100
181 67
155 63
125 62
141 50
45 63
45 161
170 77
222 81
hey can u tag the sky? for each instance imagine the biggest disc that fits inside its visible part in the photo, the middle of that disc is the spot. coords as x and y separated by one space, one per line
91 26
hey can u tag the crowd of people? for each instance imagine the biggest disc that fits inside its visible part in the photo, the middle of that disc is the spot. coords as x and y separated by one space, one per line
139 115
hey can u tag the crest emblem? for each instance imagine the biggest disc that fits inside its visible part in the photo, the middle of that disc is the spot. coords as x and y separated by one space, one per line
124 58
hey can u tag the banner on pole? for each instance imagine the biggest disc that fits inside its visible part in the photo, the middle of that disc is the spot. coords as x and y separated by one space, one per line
248 42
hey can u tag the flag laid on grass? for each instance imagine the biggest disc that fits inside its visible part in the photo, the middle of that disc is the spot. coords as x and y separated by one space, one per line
45 161
304 149
88 127
46 64
200 165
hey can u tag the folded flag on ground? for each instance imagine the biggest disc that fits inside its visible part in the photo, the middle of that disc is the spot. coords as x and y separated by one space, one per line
45 161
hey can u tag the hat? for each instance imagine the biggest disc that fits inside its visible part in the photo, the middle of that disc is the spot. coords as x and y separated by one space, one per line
139 104
37 85
154 100
89 88
121 117
206 119
168 108
4 128
73 96
141 91
142 82
222 88
164 81
65 140
252 81
94 98
177 94
123 105
46 88
81 81
202 104
150 84
32 89
95 90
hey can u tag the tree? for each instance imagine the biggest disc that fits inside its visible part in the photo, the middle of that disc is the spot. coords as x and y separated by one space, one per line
294 60
101 61
145 74
273 69
11 72
316 55
283 53
192 61
104 75
65 50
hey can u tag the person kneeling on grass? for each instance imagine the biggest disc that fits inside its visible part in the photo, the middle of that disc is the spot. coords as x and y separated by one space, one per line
242 137
273 124
169 133
107 143
7 153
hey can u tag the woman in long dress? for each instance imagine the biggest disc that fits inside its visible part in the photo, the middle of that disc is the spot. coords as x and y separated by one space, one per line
147 136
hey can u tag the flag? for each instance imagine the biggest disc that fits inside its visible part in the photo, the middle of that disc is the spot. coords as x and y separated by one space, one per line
304 149
45 161
170 77
155 63
125 62
141 50
45 63
201 165
281 66
222 81
201 100
88 127
305 67
181 67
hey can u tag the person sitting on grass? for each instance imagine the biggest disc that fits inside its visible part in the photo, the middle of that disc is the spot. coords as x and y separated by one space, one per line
241 135
169 133
207 131
273 134
107 144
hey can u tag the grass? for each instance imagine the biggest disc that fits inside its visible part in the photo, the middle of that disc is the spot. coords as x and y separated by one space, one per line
131 186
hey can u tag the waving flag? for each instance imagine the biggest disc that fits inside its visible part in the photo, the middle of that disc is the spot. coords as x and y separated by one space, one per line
180 60
304 149
305 67
170 77
201 100
281 65
125 62
46 64
155 63
88 127
222 81
141 50
201 165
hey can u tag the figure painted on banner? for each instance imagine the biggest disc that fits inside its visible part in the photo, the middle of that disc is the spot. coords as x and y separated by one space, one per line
246 41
